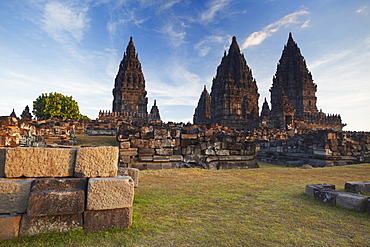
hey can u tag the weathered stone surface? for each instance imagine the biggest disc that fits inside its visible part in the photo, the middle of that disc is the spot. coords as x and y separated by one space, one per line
131 172
352 201
2 162
164 151
48 203
176 158
161 133
358 187
326 195
14 195
9 226
154 166
124 145
189 136
39 162
146 151
110 193
97 162
106 219
311 187
129 151
160 158
59 184
44 224
145 158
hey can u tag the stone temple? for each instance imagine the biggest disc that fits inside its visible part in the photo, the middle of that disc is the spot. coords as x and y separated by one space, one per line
129 94
233 100
293 95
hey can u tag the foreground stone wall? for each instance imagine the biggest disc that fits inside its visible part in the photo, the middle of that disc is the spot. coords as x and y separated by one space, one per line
44 190
166 146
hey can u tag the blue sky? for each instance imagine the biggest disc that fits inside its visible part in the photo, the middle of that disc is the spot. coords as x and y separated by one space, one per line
74 47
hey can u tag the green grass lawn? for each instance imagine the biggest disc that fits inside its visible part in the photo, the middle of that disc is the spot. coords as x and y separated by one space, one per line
251 207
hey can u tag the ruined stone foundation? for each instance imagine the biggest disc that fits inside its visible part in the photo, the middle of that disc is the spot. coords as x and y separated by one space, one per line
44 190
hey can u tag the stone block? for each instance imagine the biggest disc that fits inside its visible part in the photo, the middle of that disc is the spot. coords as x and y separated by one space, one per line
175 133
211 159
189 136
168 165
59 184
110 193
44 224
97 162
131 172
154 166
160 158
146 151
358 187
48 203
176 158
140 143
128 151
311 187
352 201
222 152
168 143
9 226
161 133
124 145
2 162
103 220
325 195
145 158
14 195
164 151
39 162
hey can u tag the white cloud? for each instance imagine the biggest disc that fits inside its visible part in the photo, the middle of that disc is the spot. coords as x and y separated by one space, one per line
306 24
206 45
256 38
65 23
362 10
214 6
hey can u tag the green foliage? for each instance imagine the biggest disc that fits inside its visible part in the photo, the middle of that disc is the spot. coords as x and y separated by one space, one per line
56 105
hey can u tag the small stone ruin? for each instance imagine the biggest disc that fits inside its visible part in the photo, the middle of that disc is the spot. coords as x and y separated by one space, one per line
44 190
351 199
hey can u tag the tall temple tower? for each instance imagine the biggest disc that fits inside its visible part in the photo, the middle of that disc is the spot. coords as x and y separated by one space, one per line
234 95
129 94
203 110
293 78
293 94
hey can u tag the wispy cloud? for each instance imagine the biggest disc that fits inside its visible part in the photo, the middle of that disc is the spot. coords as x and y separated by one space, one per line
206 45
175 32
65 23
362 10
256 38
214 7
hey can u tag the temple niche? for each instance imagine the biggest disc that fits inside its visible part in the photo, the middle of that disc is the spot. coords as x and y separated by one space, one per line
234 94
293 95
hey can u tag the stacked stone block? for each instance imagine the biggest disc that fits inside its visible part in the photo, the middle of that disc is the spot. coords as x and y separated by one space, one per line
44 190
163 146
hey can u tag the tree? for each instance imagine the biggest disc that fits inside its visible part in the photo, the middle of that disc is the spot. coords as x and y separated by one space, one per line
56 105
